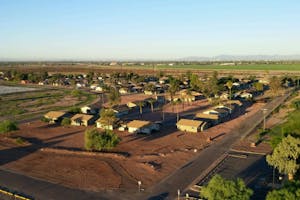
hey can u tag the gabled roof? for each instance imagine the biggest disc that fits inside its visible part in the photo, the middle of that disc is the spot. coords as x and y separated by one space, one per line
54 114
207 116
120 108
138 123
189 122
82 117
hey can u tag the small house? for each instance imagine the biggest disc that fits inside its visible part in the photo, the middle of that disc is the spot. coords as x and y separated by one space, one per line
140 126
190 125
124 90
55 116
90 109
212 119
99 124
120 110
82 120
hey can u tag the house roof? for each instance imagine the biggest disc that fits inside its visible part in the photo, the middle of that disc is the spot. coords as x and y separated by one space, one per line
54 114
138 123
82 117
207 116
189 122
120 108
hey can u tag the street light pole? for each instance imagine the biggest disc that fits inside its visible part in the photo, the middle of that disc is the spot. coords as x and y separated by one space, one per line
139 184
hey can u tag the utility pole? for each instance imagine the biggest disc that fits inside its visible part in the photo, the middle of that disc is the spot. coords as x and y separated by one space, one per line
264 110
139 185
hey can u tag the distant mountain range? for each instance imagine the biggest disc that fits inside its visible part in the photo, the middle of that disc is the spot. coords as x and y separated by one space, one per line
243 58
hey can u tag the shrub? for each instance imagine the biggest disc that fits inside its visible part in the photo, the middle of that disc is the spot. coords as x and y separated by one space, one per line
76 93
66 121
75 110
20 141
7 126
95 140
44 119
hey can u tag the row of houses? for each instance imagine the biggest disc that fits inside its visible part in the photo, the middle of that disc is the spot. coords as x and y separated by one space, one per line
134 126
209 118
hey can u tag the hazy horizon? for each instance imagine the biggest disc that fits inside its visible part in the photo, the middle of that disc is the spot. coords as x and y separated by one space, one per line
93 30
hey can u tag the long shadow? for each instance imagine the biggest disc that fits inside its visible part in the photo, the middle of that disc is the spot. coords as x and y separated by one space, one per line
64 135
16 153
159 197
257 175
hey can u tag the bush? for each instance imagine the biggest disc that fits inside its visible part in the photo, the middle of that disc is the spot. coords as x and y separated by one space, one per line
44 119
66 121
75 110
76 93
95 140
7 126
20 141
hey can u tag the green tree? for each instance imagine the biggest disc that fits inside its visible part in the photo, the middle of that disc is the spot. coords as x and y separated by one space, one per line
114 97
221 189
95 140
285 155
174 87
8 126
213 83
66 121
290 191
229 85
275 85
259 87
195 83
107 117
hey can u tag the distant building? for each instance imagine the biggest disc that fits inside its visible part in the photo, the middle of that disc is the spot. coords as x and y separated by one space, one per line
55 116
140 126
82 120
190 125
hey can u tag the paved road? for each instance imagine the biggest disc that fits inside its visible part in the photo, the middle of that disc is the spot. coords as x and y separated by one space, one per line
166 189
182 178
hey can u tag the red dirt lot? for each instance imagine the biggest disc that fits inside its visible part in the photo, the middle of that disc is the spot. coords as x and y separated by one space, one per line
151 157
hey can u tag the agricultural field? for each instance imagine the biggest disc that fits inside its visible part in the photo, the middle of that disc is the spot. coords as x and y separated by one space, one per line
263 67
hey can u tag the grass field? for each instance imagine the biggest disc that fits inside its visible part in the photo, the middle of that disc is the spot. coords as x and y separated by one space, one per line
18 106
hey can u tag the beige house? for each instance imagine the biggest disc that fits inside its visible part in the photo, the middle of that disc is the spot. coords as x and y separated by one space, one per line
190 125
82 120
99 124
55 116
140 126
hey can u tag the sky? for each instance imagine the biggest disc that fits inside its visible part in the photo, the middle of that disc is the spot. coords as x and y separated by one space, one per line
146 29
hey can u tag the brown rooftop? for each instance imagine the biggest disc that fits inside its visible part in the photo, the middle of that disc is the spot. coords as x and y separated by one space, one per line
82 117
189 122
138 123
54 114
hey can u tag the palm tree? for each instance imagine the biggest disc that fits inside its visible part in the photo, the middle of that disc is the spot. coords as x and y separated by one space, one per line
151 102
141 104
177 102
229 84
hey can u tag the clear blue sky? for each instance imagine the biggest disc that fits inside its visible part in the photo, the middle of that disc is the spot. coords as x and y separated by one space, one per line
146 29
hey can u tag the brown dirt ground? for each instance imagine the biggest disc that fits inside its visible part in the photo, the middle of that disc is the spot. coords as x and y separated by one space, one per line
167 150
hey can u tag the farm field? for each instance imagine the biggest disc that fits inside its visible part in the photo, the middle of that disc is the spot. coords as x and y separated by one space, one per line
86 66
284 67
151 158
